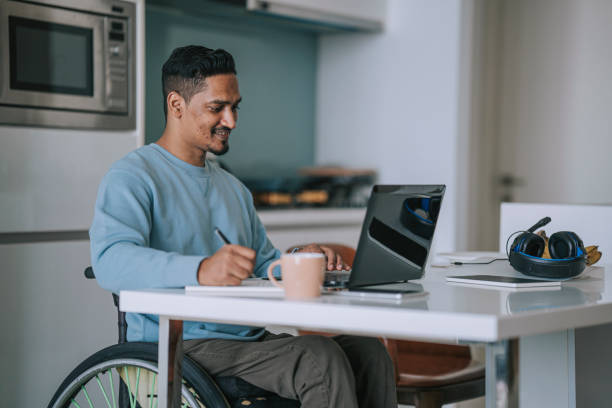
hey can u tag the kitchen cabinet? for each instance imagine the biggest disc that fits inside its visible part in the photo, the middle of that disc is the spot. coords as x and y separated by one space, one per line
287 228
52 318
366 15
317 16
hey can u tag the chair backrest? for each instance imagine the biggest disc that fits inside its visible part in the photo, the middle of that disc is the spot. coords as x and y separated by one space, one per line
591 222
121 322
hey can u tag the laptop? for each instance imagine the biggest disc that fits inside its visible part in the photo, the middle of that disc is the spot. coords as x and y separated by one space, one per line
396 238
393 248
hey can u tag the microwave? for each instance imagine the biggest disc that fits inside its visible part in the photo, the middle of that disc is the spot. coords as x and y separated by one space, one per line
68 63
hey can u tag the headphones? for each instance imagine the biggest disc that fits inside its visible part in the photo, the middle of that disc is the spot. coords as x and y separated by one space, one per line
419 214
568 256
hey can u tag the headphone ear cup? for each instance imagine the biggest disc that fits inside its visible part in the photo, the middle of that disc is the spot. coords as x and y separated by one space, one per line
415 218
530 244
565 244
422 213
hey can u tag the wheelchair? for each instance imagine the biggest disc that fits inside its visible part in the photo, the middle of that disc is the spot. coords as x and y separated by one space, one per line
124 375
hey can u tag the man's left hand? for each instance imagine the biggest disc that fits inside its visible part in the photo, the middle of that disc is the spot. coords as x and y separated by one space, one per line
334 260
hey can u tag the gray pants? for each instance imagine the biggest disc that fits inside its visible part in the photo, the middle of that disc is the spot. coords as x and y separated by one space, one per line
335 372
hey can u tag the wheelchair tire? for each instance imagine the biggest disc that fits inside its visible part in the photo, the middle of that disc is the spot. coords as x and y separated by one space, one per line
101 374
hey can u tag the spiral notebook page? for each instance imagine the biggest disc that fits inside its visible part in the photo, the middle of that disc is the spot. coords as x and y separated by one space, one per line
252 287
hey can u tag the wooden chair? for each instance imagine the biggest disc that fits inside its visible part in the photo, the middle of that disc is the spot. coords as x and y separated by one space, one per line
428 375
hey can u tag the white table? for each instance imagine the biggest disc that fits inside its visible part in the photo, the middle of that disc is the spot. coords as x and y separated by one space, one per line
543 320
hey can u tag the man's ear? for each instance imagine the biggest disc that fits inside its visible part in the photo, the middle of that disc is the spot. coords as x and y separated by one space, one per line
176 104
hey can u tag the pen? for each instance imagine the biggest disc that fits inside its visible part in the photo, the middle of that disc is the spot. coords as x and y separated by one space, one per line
223 237
227 242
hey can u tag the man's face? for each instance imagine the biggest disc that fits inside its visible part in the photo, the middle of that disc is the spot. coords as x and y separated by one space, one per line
212 113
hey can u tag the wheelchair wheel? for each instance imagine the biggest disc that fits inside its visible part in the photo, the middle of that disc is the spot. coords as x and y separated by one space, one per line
125 376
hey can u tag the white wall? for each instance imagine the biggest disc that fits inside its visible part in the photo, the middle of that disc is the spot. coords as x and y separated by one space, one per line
390 101
555 97
540 112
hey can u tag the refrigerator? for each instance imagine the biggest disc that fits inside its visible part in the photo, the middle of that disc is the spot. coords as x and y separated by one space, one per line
52 317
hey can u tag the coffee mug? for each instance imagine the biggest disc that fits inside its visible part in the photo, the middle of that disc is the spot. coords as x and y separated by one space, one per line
302 274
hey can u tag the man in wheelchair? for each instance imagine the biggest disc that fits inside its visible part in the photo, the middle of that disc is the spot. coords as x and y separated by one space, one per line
153 228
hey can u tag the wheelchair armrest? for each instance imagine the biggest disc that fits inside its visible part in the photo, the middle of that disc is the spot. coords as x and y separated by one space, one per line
89 273
121 323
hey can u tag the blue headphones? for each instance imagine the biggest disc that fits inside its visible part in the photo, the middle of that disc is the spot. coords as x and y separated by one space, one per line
419 214
567 254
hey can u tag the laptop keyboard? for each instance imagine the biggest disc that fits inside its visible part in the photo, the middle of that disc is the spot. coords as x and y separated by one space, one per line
336 279
256 282
333 279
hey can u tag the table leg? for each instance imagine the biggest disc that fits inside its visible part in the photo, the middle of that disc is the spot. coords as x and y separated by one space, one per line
502 374
170 357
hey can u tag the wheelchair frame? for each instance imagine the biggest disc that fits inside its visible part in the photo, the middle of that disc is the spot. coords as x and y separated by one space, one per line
199 389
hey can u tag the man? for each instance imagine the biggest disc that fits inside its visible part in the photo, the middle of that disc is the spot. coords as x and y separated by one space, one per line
153 227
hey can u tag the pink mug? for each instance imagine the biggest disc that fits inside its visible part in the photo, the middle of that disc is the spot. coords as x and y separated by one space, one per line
302 274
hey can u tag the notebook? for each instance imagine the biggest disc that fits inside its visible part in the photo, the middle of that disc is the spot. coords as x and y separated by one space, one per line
505 281
251 287
260 287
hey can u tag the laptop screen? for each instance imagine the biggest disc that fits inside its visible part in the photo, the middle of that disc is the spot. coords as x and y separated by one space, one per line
396 234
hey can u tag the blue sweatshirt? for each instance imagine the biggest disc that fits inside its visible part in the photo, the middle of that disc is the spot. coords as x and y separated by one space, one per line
153 224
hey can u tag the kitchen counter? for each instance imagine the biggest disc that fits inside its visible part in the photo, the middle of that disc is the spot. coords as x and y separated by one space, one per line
290 227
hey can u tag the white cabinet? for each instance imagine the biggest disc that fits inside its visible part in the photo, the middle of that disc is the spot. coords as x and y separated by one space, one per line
52 318
49 177
287 228
347 14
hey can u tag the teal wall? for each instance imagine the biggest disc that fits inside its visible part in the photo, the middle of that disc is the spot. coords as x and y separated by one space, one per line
276 74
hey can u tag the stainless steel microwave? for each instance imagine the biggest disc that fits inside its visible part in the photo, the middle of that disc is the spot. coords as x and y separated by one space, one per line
68 63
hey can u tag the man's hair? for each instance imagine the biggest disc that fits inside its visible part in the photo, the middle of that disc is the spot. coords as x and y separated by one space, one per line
187 68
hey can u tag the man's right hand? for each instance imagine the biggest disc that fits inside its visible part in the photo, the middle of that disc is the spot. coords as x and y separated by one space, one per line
228 266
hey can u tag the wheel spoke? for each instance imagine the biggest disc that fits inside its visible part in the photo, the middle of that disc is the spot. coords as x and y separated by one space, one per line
87 396
153 392
112 387
137 384
103 390
126 373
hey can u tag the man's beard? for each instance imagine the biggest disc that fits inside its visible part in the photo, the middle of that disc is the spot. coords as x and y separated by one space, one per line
221 151
225 143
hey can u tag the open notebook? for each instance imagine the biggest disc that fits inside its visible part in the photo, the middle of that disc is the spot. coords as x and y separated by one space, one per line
250 287
259 287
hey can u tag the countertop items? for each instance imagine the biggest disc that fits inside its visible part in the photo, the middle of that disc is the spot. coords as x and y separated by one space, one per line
313 187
